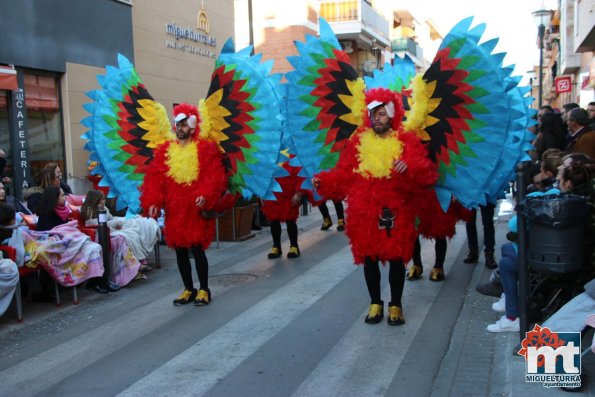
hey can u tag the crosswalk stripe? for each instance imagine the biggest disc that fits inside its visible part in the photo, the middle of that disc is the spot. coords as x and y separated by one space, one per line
346 370
217 354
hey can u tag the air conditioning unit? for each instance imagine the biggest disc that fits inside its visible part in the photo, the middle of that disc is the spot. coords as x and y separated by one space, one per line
347 46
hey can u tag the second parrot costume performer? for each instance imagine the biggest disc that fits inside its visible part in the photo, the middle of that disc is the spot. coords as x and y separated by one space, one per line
381 196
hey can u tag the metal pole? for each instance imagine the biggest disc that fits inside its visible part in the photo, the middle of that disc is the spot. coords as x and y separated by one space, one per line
103 236
541 33
522 243
251 26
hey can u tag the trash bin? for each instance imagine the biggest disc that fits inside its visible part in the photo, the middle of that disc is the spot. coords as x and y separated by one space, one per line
556 227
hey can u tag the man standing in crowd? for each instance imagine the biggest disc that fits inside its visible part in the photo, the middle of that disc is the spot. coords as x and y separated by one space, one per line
591 112
581 139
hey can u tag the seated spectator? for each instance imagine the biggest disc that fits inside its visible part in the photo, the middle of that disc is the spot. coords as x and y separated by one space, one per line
16 238
131 239
9 273
572 316
33 194
577 176
141 233
13 202
64 253
54 170
51 210
509 271
546 179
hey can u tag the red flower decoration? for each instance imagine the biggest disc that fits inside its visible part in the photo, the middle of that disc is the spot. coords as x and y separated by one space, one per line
539 337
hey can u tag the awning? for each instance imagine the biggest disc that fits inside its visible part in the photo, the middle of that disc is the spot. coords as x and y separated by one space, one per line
8 78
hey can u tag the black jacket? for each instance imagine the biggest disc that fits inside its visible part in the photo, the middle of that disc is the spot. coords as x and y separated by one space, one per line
47 222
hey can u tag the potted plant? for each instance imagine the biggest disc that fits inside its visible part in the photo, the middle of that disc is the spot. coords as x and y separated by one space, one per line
236 224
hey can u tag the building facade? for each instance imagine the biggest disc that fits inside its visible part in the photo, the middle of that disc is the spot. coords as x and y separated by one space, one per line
569 45
272 26
54 49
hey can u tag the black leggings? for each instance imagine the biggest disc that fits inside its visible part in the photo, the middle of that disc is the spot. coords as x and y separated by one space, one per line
338 207
396 279
201 263
292 232
439 248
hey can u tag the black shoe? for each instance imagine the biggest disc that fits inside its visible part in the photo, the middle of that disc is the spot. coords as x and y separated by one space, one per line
395 315
415 272
437 274
95 287
186 297
489 289
326 224
203 298
375 313
275 253
472 257
294 252
341 225
490 260
111 287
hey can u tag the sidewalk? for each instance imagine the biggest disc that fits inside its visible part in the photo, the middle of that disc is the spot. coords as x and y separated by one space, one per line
478 354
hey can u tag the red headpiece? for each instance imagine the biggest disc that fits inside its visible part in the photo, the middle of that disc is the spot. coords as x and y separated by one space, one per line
187 111
392 102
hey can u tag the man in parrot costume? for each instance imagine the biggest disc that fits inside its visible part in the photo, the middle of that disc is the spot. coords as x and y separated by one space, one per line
381 172
186 178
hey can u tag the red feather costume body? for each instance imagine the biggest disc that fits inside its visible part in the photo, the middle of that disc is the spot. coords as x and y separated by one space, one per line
434 223
185 226
282 209
367 195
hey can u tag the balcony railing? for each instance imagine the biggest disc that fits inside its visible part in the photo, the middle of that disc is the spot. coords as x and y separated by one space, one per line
407 45
354 11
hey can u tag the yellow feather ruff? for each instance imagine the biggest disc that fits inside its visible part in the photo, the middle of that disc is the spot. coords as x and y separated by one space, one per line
377 155
182 162
421 104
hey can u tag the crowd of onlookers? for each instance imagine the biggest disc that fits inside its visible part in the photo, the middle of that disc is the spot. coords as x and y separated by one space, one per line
57 236
563 163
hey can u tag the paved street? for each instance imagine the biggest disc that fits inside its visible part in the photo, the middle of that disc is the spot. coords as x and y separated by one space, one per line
275 328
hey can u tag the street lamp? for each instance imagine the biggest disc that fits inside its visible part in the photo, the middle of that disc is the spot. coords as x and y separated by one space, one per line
541 17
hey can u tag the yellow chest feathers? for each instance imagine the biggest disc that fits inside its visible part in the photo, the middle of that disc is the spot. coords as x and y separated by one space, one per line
377 155
182 163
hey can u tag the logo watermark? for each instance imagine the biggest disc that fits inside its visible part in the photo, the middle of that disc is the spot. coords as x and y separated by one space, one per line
553 358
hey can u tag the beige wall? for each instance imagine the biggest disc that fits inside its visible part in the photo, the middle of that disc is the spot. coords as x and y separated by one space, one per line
170 75
76 82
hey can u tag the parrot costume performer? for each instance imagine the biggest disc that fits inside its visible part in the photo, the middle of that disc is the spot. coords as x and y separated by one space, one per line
228 144
286 206
464 132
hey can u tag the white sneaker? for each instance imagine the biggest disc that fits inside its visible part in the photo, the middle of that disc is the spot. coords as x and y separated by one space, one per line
500 306
504 325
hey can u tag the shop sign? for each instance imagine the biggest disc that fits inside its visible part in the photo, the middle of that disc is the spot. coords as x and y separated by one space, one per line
563 84
19 141
197 41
